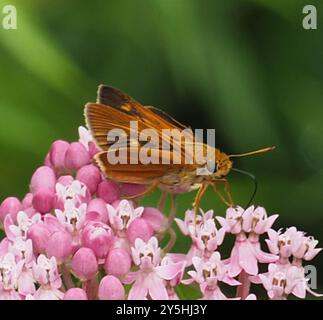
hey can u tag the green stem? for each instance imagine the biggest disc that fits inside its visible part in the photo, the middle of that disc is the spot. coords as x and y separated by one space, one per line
67 277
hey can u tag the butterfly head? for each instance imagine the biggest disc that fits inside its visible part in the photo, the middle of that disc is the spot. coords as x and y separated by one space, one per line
223 165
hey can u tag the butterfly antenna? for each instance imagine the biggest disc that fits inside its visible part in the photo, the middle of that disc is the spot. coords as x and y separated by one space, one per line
251 152
253 178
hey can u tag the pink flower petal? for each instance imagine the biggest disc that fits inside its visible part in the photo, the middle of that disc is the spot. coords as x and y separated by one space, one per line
208 215
182 226
262 256
247 219
273 248
169 271
8 222
299 290
220 236
177 257
223 223
265 281
255 279
271 220
130 277
230 281
26 284
138 291
155 218
312 253
52 223
187 281
247 258
157 290
234 266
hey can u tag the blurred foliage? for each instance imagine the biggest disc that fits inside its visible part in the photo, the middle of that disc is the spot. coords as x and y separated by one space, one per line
246 68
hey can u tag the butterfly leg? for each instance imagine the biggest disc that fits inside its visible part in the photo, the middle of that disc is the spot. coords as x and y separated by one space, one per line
220 195
150 189
172 213
168 228
171 241
162 201
227 190
198 198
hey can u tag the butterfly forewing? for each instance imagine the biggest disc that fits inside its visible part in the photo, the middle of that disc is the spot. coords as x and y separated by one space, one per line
115 110
138 173
117 99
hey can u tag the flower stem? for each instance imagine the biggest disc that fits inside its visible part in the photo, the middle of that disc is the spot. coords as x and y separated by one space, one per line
243 289
67 277
91 288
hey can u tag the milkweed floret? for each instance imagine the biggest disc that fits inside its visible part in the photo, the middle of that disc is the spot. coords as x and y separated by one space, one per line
73 237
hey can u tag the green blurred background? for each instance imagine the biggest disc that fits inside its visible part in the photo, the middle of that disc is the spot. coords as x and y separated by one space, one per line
246 68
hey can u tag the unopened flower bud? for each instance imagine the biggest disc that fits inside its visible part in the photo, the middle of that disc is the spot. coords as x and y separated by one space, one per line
90 175
47 162
27 201
59 245
84 264
75 294
108 191
43 178
93 149
155 218
39 234
65 180
139 228
10 206
57 153
99 206
43 200
76 156
111 288
98 237
118 262
132 189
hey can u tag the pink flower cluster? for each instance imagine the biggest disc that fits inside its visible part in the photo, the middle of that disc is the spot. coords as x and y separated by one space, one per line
287 251
74 237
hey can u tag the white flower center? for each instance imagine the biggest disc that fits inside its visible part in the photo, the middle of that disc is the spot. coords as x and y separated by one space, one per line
279 280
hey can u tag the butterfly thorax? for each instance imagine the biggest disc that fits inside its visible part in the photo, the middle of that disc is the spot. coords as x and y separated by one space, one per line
191 179
223 164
